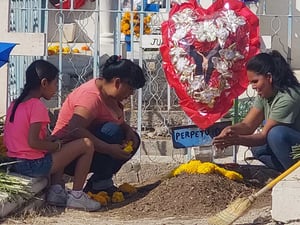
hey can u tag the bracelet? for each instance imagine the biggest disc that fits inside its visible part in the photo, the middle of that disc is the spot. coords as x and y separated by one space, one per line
58 146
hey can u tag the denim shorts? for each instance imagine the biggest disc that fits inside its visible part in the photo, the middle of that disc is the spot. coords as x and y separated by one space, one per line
34 167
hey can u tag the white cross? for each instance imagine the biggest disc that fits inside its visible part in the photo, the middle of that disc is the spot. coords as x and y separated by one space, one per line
27 44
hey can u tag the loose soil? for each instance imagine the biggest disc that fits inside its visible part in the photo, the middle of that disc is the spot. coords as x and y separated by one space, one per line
192 196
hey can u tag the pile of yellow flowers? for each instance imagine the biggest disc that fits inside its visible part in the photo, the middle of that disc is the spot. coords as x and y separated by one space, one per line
54 49
126 23
117 196
101 197
197 167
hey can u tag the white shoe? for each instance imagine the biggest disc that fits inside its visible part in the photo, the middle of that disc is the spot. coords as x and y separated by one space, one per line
57 197
84 202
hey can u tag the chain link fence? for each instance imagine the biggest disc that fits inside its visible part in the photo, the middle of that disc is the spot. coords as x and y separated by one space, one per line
78 39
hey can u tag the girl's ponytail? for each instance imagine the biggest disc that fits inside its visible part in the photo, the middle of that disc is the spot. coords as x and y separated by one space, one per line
18 101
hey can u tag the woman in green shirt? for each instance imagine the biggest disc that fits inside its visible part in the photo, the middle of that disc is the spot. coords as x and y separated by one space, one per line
276 106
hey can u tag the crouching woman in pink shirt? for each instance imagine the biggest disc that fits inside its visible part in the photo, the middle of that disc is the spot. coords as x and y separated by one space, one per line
25 136
95 111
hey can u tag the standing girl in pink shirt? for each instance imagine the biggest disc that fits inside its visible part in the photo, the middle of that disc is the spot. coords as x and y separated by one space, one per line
25 136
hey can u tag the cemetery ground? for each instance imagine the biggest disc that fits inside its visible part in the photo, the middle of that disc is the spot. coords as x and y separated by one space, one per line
184 199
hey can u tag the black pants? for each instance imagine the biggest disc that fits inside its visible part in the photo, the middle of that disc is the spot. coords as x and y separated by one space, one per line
104 166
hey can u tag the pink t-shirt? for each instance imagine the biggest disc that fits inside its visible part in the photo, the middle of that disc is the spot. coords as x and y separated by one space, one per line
88 96
16 133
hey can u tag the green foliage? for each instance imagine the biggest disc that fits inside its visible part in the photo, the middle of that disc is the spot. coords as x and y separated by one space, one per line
296 152
243 108
14 186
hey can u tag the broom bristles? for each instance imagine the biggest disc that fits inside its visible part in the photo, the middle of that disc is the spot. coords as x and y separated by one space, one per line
235 210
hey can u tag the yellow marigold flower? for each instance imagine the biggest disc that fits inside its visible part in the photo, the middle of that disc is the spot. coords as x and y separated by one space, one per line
101 199
125 24
105 195
136 29
147 30
90 194
192 166
221 170
128 148
136 21
180 169
75 50
147 19
56 48
66 50
206 167
125 27
229 174
232 175
52 50
127 188
126 16
136 16
195 166
117 197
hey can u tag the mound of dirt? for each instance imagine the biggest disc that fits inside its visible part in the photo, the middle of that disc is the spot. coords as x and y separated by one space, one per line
184 197
193 194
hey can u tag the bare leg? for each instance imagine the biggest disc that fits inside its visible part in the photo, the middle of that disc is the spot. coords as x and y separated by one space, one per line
56 178
83 149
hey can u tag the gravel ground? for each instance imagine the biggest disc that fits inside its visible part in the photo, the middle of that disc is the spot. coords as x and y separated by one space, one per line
259 212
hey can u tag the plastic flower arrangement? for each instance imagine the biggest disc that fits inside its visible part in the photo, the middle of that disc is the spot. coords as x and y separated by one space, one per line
197 167
126 24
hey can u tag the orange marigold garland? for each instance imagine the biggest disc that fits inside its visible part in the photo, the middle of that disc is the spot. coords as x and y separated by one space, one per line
126 24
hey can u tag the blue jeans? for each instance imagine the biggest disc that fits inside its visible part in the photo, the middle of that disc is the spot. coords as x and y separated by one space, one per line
104 166
34 167
276 154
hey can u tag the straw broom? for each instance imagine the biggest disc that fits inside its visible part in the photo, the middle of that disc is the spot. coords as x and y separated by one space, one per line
240 206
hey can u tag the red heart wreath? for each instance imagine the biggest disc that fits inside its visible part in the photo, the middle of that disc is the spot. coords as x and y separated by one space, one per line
204 52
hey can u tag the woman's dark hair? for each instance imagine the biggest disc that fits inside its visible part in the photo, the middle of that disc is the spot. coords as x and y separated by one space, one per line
275 64
36 71
124 69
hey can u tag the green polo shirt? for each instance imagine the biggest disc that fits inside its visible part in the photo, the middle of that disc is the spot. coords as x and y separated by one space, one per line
284 108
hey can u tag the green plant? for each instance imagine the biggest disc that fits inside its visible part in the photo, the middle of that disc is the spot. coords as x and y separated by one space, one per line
14 186
243 107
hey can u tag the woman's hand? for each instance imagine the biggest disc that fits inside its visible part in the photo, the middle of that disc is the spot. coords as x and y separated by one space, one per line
222 142
227 131
132 136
